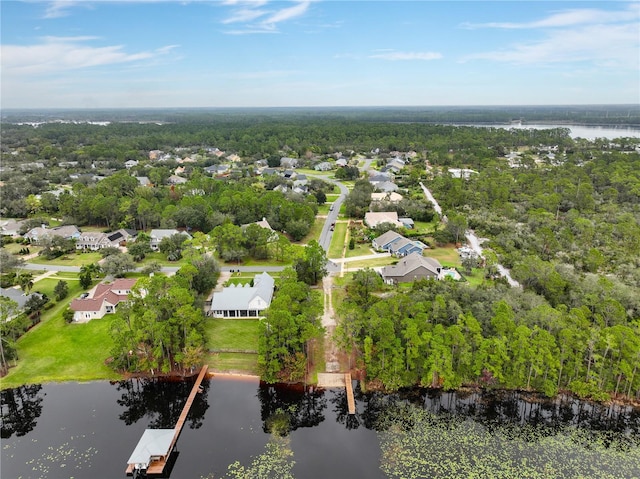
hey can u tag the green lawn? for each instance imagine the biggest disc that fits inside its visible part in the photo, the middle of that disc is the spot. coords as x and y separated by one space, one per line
324 209
233 334
47 286
337 240
57 351
233 362
448 256
359 250
72 259
371 263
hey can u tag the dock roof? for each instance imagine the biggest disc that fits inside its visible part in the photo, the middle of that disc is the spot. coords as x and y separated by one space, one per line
153 443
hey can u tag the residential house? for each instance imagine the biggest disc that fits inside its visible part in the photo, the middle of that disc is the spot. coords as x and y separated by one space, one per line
37 235
176 180
216 170
324 166
464 173
385 186
94 241
263 224
104 300
286 162
144 181
397 245
342 162
130 164
18 296
383 242
155 154
390 197
396 164
375 218
269 171
243 301
11 227
158 235
411 268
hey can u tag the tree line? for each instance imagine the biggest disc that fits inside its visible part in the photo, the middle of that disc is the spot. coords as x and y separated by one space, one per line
444 334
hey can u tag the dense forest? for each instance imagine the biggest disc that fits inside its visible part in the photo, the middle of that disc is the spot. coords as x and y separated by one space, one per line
562 214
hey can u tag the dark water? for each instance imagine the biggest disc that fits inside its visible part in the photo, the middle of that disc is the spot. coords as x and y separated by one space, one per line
73 430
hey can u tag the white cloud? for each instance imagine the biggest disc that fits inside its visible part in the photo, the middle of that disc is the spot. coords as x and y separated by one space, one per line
261 20
396 56
60 54
605 45
59 8
568 18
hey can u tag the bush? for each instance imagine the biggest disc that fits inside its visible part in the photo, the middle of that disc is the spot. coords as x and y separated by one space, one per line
67 315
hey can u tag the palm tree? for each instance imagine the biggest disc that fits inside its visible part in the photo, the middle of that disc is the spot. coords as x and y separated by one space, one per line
25 281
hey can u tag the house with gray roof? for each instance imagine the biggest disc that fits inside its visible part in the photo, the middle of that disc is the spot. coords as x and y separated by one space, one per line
37 235
18 296
398 245
411 268
243 301
94 241
158 235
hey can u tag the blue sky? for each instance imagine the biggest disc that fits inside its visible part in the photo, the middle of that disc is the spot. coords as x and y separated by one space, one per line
235 53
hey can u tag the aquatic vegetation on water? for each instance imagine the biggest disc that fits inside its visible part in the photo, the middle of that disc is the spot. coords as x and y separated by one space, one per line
64 457
417 444
274 463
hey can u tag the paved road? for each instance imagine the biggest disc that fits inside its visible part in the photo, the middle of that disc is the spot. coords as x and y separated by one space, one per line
165 269
472 239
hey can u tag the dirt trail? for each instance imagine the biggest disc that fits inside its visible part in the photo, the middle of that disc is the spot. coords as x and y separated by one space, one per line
329 323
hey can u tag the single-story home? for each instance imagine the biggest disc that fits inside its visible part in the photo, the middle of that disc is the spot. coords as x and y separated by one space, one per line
243 301
375 218
398 245
176 180
411 268
38 234
11 227
104 300
158 235
18 296
391 197
144 181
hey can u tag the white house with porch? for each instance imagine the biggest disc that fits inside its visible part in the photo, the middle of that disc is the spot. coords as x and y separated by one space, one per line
243 301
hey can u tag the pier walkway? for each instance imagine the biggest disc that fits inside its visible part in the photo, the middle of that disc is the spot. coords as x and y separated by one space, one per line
155 446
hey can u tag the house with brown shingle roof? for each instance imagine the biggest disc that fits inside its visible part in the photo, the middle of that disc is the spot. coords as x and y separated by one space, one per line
104 300
412 268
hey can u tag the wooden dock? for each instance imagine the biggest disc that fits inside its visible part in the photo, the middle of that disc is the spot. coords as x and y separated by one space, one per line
351 403
158 459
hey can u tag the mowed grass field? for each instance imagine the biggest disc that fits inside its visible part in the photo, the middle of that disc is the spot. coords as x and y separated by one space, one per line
56 351
72 259
234 334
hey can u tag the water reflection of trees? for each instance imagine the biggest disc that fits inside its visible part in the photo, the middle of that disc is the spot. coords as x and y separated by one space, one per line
289 407
341 408
494 409
162 401
21 407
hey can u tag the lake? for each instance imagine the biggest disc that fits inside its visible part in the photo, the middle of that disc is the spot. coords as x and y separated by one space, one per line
88 430
575 131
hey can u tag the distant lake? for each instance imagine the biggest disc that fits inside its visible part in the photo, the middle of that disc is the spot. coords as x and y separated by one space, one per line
576 131
72 430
